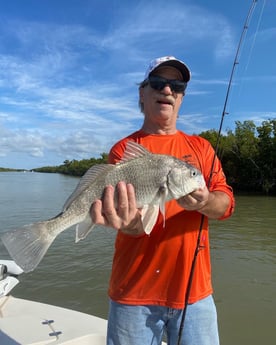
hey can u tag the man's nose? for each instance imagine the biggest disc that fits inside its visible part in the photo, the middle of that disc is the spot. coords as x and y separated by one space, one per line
167 89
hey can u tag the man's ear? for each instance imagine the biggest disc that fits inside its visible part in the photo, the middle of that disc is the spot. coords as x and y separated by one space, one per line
141 94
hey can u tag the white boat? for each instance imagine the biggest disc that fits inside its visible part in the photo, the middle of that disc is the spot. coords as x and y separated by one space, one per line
26 322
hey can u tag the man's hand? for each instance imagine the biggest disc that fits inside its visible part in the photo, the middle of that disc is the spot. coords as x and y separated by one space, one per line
124 216
195 200
211 204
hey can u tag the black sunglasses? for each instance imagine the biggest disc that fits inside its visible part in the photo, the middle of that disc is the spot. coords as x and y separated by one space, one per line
158 83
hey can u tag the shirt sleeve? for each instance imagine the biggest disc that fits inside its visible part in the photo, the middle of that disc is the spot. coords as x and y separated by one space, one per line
217 182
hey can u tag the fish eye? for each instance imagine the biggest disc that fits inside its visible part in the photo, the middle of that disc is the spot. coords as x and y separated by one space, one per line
193 173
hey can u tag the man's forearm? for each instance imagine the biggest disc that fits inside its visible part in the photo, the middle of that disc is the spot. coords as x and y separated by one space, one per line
216 205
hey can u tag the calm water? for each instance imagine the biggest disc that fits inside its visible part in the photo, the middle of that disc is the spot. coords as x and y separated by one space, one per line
76 275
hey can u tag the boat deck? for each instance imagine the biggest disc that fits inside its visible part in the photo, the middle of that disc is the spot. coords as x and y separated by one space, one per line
31 323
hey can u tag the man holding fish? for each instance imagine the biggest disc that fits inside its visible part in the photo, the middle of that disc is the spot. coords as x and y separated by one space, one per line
156 196
151 269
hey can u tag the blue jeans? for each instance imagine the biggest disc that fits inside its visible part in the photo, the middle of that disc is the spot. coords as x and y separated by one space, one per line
146 325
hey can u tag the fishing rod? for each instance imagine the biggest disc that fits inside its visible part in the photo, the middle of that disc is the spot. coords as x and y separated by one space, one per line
198 246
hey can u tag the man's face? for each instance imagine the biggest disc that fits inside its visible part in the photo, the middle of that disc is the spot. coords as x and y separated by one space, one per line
162 104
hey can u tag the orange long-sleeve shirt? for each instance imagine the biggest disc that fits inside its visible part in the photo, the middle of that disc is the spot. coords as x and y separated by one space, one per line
155 269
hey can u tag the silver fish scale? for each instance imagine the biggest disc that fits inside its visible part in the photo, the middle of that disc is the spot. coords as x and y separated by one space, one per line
147 177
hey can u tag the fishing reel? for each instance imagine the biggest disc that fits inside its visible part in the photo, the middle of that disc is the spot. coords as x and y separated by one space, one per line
9 271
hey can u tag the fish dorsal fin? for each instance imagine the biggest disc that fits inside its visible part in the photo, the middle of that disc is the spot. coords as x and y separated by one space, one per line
86 180
134 150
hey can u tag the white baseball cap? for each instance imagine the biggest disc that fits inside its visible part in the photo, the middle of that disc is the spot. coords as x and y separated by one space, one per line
169 61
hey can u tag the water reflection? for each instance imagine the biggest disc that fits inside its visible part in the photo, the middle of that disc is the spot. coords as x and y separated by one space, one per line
244 256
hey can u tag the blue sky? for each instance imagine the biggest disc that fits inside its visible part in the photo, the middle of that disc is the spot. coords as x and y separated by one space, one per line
69 70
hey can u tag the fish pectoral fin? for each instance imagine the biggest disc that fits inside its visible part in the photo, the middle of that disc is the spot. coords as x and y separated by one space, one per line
149 217
83 228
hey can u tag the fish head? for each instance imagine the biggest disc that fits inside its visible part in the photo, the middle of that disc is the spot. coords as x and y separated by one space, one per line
183 179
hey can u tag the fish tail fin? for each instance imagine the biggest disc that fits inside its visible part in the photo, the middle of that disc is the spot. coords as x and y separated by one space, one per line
28 245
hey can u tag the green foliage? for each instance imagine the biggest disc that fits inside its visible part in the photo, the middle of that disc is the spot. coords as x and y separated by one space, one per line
248 156
74 167
267 154
9 170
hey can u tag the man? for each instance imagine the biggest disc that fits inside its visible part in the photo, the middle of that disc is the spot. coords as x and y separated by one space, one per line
150 273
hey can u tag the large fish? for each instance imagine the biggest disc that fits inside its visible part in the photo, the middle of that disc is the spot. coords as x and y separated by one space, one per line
155 177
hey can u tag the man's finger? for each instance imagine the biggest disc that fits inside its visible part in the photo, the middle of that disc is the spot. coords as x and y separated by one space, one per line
96 213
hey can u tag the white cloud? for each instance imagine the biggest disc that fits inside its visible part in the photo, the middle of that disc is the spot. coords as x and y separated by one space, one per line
70 90
191 26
